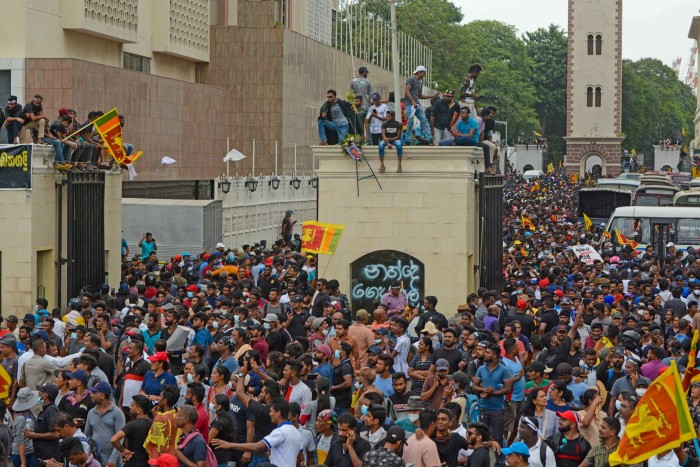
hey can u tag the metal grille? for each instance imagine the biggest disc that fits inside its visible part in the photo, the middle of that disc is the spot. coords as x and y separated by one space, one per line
86 239
491 217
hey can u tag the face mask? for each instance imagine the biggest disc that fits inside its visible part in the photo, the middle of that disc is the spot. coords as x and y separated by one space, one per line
215 325
74 335
190 294
235 319
229 385
266 325
618 404
36 308
696 292
413 417
364 410
128 340
211 407
246 294
358 385
190 378
336 354
377 341
641 391
324 332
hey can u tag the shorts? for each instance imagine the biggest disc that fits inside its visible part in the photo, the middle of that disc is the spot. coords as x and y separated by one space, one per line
512 414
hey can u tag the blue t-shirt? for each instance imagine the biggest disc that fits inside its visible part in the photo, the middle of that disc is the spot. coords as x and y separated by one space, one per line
518 386
325 369
203 337
195 449
152 385
147 248
465 127
493 379
230 363
384 385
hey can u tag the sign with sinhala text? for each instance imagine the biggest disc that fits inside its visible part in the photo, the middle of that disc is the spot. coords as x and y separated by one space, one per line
586 253
16 167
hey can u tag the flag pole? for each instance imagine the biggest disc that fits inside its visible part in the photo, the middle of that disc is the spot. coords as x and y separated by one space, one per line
77 131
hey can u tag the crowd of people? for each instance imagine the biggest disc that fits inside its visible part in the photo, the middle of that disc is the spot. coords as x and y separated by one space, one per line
77 145
449 120
247 356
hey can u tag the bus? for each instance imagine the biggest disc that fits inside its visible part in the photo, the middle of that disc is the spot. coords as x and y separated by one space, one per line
690 198
655 179
655 225
655 195
618 184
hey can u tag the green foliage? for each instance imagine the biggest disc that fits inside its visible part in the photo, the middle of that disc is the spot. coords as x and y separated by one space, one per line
655 104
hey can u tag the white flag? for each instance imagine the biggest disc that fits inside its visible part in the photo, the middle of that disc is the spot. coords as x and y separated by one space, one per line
233 156
132 171
167 161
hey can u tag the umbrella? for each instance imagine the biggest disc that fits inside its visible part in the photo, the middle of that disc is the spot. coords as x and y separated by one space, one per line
234 155
167 161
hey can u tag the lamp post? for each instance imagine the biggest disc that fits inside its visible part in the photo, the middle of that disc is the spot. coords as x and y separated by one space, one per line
395 58
501 122
224 184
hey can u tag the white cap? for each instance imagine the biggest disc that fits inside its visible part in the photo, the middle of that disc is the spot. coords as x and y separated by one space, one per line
670 244
419 68
220 245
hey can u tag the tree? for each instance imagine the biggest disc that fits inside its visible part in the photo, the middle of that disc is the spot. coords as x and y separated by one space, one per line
547 48
655 104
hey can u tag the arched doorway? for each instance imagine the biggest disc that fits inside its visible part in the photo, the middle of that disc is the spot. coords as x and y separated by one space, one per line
667 168
528 167
593 163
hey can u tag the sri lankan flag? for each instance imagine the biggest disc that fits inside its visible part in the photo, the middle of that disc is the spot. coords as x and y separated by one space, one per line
573 178
621 239
319 237
587 220
692 373
660 421
111 131
527 222
550 167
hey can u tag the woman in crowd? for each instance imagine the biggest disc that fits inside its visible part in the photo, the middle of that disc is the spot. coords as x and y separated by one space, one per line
420 365
559 397
536 406
222 425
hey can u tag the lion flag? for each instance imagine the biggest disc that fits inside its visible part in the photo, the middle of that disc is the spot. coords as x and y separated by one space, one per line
5 384
319 237
111 131
654 426
587 220
527 222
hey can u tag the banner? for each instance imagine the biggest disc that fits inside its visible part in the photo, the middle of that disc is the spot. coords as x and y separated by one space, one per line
660 421
319 237
586 253
16 167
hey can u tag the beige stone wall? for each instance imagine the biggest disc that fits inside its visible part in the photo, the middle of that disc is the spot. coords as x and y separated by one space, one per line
430 211
28 244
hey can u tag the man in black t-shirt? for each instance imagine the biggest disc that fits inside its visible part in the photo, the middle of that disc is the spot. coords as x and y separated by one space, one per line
477 433
391 138
444 113
135 432
32 117
341 387
46 447
13 121
448 351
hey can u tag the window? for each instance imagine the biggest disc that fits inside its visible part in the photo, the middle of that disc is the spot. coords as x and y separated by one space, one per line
598 45
598 96
137 63
589 97
590 44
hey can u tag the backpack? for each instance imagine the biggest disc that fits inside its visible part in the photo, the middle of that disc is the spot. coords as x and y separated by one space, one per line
211 458
471 412
95 451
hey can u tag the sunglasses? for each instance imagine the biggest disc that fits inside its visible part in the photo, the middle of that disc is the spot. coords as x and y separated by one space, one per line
330 97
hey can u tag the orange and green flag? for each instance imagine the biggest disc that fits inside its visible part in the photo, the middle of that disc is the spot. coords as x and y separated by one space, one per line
587 220
527 222
550 167
660 421
319 237
111 131
692 373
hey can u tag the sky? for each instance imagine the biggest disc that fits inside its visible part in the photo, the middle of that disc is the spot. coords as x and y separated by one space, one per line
650 28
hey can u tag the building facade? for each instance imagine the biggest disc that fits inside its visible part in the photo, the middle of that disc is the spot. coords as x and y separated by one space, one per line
594 86
694 33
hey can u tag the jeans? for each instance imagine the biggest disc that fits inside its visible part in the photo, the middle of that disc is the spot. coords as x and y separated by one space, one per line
13 128
324 125
397 144
458 141
30 458
487 154
419 113
441 135
58 147
340 410
128 148
255 460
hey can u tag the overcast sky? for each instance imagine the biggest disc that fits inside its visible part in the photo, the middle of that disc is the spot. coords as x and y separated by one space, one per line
650 28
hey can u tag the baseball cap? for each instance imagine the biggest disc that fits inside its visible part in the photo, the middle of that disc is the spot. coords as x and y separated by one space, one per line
419 68
442 364
395 433
80 375
165 460
50 389
517 448
363 69
159 357
325 350
220 245
271 318
102 387
375 349
375 95
570 415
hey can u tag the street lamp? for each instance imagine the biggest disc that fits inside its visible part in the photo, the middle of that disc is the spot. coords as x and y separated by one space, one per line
296 183
274 183
314 182
252 185
506 125
224 184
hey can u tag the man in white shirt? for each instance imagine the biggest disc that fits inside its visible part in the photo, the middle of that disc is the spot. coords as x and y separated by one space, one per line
376 115
298 392
403 345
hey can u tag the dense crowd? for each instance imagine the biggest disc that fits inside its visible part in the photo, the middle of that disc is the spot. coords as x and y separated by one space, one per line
246 356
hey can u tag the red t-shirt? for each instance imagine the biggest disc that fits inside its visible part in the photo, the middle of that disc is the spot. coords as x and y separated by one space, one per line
203 422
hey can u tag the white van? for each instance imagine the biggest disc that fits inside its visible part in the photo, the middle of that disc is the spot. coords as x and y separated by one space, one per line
531 174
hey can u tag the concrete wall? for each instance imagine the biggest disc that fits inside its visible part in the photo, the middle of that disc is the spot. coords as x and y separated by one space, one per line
429 211
28 237
521 155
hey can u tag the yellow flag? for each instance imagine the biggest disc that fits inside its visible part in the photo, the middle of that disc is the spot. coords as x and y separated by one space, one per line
587 220
660 421
550 167
5 384
634 151
683 132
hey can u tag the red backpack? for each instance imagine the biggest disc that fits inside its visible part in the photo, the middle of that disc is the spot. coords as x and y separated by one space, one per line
211 458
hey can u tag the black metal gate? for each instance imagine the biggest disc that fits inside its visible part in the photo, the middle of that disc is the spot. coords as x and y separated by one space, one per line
491 230
86 235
